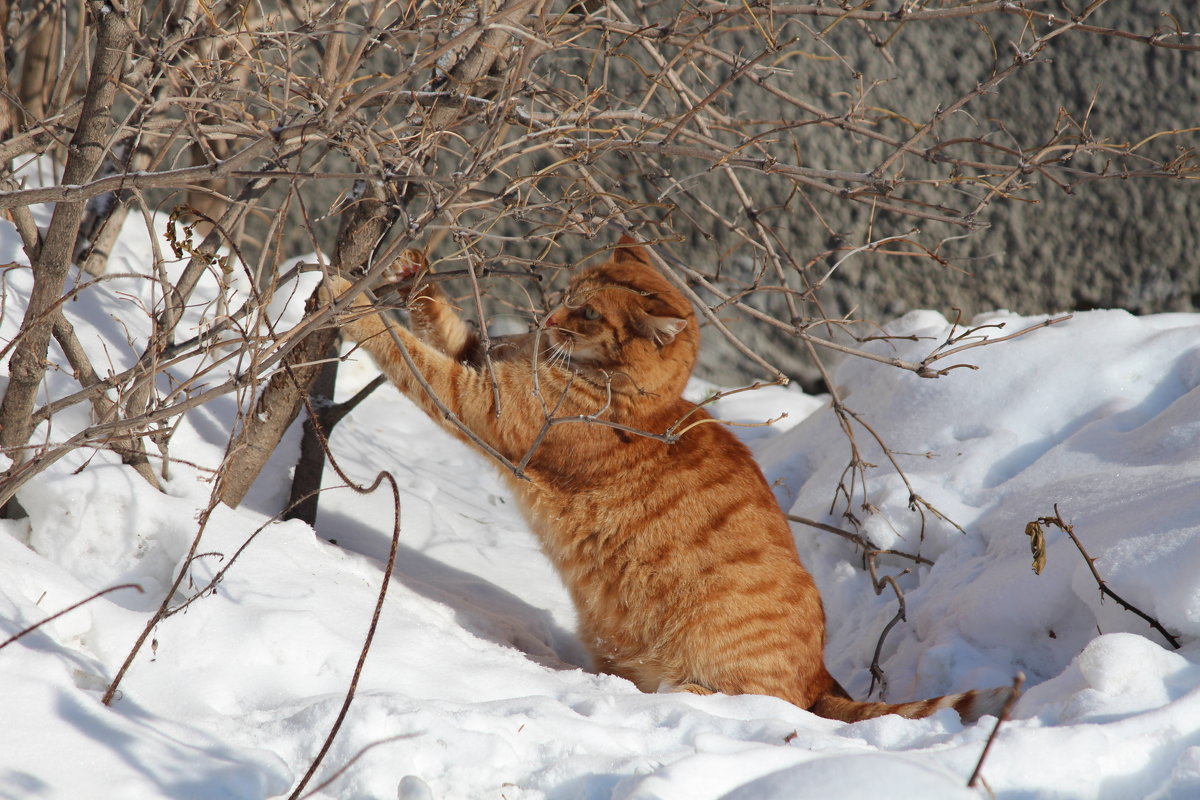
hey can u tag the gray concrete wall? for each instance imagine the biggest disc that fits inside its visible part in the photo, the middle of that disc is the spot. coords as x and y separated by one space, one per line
1129 244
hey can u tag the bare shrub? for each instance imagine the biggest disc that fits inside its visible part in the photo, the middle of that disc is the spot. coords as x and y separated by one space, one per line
509 138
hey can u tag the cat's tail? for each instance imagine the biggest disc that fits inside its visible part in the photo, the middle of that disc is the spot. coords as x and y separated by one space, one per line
970 706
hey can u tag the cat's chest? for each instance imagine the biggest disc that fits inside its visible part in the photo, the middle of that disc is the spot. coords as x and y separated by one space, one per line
594 528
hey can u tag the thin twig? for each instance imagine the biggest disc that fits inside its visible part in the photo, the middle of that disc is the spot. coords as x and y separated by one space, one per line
858 540
68 610
1058 521
915 501
1018 682
386 579
161 611
877 673
320 787
939 354
388 569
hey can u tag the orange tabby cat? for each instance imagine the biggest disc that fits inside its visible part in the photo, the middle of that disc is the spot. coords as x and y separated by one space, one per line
679 561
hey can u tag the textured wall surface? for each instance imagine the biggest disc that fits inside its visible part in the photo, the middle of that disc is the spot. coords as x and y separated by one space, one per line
1132 244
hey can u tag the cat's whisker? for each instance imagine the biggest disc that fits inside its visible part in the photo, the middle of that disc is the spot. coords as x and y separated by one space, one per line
560 354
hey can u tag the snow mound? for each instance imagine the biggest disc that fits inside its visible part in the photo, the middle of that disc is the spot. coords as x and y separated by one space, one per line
475 685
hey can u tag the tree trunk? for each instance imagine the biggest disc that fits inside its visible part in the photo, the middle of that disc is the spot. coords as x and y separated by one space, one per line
306 482
362 227
38 72
475 65
27 366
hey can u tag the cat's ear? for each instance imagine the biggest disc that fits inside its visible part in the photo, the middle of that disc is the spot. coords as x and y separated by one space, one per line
661 330
630 249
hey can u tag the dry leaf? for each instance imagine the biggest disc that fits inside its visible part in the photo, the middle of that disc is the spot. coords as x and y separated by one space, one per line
1037 544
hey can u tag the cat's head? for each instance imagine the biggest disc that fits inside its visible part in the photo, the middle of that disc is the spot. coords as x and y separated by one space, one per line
623 316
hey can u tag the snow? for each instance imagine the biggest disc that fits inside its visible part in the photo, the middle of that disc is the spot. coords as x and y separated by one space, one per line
475 685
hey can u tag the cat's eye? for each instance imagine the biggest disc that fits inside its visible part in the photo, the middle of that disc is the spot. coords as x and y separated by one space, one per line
590 313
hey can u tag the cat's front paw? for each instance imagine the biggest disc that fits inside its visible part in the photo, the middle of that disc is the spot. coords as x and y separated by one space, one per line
408 266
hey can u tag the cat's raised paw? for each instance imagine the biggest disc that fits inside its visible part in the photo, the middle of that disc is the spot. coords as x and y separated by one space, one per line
408 265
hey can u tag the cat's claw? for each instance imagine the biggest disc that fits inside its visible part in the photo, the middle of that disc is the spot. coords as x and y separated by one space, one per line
409 265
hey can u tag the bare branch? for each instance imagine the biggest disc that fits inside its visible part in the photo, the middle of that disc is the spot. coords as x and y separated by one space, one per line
67 610
1018 682
1058 522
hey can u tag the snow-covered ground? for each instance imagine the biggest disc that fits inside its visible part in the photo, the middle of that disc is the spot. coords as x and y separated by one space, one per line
475 686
